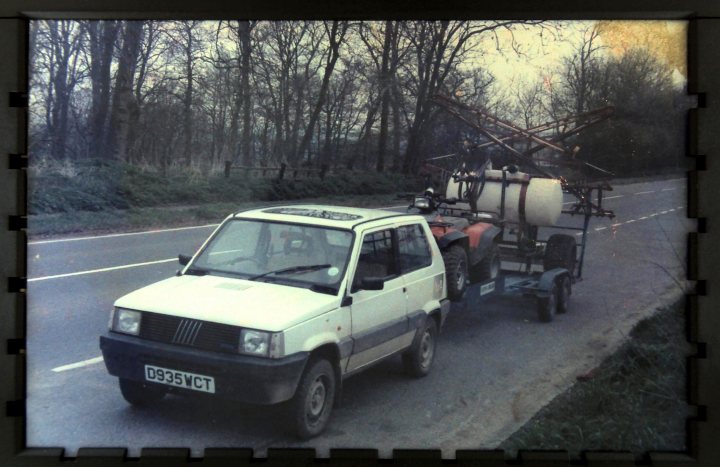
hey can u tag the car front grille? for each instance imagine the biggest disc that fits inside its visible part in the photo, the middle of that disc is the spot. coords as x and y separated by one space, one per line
189 332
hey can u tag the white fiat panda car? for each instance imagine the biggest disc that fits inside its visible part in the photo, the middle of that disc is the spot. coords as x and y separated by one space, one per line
281 304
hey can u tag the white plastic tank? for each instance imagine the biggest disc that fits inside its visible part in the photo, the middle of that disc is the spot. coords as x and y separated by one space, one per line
539 200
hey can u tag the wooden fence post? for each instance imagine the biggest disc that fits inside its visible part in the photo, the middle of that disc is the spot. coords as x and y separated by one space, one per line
227 169
281 174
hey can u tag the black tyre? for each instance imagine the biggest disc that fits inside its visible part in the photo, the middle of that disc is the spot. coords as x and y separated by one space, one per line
563 294
314 398
141 394
419 358
547 306
489 267
560 252
456 271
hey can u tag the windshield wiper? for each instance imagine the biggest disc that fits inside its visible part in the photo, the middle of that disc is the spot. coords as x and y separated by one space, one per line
326 289
292 270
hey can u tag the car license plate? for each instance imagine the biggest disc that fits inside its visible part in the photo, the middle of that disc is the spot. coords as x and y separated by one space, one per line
180 379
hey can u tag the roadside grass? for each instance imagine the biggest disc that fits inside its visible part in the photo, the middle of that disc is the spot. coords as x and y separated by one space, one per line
634 401
99 196
100 185
134 219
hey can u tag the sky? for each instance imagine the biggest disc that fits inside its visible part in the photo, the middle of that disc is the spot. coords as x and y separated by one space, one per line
667 40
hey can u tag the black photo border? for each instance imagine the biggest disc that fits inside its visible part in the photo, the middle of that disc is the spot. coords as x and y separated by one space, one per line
703 307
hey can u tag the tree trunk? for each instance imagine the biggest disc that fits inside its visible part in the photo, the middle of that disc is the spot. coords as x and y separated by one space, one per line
102 43
187 101
124 104
385 96
245 28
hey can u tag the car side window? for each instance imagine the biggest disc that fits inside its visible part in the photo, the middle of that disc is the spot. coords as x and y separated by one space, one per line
377 257
413 248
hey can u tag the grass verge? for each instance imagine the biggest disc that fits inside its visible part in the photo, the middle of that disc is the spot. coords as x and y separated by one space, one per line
634 401
134 219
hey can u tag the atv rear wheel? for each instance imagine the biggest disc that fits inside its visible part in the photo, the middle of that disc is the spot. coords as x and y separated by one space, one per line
488 268
560 252
456 271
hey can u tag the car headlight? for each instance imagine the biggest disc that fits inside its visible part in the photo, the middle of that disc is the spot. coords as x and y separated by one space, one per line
126 321
261 343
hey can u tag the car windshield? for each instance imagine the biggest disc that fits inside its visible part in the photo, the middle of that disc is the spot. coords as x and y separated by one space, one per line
295 254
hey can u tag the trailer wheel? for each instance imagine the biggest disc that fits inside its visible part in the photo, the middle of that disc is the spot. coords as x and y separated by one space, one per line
489 267
456 271
547 306
560 252
563 294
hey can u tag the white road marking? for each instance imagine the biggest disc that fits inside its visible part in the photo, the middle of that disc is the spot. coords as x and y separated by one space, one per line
630 221
667 189
578 233
81 364
75 239
663 212
93 271
598 229
680 207
612 197
644 192
615 225
643 218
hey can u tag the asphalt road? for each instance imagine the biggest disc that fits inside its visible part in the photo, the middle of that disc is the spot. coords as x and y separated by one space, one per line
496 366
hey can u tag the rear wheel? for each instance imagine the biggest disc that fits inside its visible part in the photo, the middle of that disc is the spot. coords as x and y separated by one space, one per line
456 271
419 358
560 252
547 306
489 267
563 297
314 398
141 394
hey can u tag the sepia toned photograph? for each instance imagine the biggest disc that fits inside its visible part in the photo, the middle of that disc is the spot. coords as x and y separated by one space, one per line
383 235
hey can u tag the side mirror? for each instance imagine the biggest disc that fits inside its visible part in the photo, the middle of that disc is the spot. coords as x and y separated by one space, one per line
184 259
372 283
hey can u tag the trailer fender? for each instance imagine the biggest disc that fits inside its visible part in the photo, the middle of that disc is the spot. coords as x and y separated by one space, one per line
547 280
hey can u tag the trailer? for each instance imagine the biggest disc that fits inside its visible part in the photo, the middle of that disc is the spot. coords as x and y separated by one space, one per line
531 253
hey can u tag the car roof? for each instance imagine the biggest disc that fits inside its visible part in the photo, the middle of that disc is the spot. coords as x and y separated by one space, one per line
318 214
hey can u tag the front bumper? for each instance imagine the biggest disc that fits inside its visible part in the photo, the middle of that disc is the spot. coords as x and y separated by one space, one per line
240 377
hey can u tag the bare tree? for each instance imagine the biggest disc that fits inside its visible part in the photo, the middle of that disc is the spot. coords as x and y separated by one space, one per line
336 36
438 47
101 37
124 103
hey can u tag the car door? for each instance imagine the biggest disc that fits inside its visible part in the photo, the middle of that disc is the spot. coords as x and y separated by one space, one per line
415 257
379 317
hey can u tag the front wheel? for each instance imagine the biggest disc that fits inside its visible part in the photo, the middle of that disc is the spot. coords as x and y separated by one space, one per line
419 358
313 401
140 394
456 270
